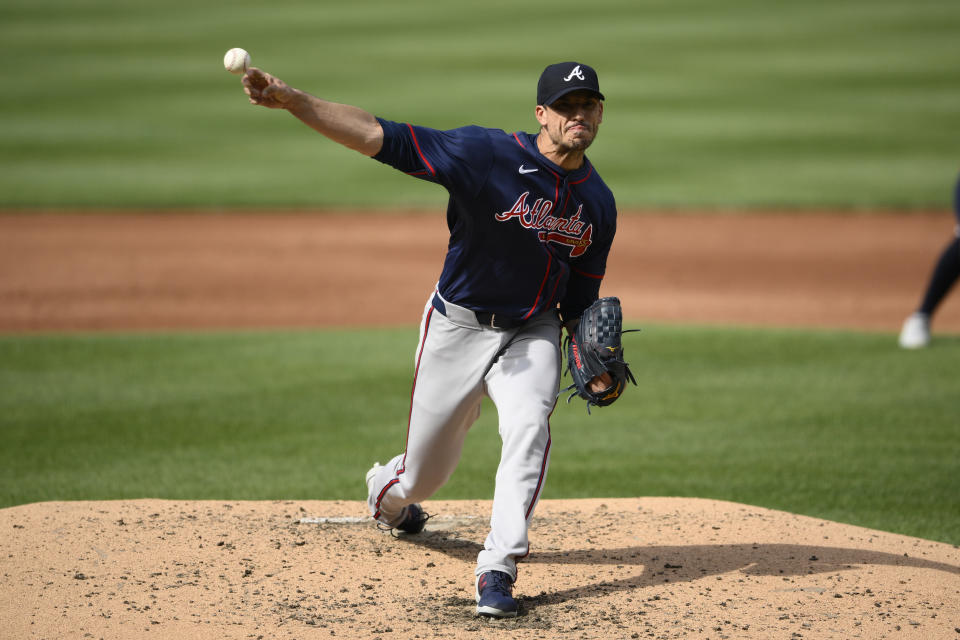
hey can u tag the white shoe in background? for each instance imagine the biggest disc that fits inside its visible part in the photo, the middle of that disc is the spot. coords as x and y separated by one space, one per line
916 331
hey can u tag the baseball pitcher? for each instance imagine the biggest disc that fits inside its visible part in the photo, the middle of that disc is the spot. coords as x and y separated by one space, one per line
531 224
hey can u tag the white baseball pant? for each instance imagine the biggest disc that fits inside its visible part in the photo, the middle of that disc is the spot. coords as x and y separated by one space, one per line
457 363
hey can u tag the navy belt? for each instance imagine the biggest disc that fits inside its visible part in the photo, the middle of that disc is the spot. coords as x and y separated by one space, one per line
484 318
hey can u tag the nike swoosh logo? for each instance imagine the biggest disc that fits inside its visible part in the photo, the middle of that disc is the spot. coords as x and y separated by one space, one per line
523 170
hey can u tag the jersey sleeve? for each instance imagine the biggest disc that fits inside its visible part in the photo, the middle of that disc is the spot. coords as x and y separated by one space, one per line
459 159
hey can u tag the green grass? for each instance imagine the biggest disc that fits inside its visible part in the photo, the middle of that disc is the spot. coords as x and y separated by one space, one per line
838 425
740 103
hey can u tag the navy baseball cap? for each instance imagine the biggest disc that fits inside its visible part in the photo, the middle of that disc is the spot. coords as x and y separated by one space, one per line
559 79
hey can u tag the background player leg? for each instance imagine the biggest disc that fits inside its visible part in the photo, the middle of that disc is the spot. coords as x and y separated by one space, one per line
916 328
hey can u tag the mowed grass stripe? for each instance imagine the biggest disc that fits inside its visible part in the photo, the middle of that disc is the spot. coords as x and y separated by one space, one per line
848 103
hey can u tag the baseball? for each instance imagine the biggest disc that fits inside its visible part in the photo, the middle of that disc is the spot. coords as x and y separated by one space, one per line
236 61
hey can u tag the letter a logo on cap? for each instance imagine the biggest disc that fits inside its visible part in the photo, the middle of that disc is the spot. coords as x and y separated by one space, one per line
576 73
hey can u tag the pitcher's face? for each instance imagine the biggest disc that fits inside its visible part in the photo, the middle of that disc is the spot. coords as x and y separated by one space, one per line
571 122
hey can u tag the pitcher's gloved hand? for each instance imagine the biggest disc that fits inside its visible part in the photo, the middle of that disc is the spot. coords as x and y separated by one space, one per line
595 350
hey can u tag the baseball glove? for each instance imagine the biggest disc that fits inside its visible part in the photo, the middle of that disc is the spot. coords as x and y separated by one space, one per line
595 348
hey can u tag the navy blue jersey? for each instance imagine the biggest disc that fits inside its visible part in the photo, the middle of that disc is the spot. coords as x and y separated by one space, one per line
525 235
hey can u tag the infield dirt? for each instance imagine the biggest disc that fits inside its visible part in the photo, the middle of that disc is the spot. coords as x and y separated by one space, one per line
181 270
618 568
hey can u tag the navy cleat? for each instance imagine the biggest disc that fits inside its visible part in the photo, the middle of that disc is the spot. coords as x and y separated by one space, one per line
415 518
495 595
414 521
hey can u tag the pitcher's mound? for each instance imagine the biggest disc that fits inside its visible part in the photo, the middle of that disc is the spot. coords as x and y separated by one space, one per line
610 568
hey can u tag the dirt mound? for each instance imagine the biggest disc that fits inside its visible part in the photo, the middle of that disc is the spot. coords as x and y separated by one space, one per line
617 568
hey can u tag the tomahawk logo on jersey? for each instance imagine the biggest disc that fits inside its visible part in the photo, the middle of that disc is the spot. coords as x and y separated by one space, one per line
525 235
